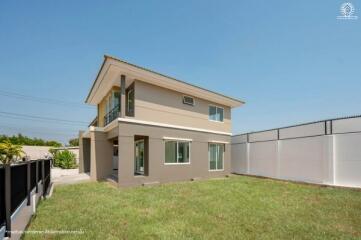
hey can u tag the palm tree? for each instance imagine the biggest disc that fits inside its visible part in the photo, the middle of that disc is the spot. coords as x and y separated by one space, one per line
9 152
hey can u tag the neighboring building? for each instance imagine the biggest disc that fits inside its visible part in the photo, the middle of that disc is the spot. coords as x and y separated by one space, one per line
151 128
36 152
41 152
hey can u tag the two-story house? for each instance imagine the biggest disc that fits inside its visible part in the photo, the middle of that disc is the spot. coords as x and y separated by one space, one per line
152 128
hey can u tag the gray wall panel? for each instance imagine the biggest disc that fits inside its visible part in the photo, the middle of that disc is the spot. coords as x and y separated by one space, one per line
303 159
263 136
346 125
313 129
239 138
239 158
263 158
348 160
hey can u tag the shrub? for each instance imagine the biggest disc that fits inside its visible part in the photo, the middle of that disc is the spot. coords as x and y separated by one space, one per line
53 151
64 159
9 152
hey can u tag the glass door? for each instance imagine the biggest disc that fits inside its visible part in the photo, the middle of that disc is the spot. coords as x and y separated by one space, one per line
139 157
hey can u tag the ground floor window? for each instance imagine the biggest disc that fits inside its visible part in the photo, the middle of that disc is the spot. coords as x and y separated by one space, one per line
216 155
177 152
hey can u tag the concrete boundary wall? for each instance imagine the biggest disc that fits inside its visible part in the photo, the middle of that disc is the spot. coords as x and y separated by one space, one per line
325 152
22 215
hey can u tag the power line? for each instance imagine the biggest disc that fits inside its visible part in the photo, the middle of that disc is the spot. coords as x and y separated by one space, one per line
18 115
41 132
5 126
43 100
40 120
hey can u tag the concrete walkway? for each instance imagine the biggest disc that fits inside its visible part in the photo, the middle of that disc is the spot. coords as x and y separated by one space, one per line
68 176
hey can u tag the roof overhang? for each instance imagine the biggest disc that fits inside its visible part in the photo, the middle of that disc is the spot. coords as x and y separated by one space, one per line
112 68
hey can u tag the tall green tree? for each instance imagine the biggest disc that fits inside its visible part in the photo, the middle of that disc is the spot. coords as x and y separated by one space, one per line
24 140
74 142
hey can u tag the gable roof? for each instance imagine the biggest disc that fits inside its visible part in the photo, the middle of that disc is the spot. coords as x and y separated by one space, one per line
233 102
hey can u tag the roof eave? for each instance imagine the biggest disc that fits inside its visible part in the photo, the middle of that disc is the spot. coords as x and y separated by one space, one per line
95 80
234 102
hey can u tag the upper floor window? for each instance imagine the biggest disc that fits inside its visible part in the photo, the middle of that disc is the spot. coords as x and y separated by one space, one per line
188 100
112 104
112 101
215 113
130 101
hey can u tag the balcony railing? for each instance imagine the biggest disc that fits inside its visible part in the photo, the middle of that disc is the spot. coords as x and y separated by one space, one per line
111 115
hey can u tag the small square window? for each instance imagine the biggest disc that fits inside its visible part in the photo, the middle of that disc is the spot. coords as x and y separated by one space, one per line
215 114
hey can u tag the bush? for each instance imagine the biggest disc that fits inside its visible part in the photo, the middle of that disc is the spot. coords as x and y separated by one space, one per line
64 159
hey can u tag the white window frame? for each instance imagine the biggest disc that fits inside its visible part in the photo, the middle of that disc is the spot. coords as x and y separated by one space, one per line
113 99
217 107
209 158
194 101
130 90
178 141
110 101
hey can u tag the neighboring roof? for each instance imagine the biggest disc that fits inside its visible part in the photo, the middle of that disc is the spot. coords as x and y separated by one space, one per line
160 74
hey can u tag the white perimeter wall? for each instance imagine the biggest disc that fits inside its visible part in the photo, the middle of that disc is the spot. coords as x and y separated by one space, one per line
303 153
41 152
36 152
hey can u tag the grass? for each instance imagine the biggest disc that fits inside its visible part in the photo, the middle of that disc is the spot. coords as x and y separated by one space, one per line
236 208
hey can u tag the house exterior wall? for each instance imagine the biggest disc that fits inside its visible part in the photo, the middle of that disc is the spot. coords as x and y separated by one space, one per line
158 112
157 104
158 170
101 155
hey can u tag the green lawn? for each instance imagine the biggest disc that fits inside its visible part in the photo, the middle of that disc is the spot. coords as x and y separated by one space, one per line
235 208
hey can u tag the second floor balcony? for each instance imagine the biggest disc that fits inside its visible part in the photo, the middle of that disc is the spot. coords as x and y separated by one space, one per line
111 115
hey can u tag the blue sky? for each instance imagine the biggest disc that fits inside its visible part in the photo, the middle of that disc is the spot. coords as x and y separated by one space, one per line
291 61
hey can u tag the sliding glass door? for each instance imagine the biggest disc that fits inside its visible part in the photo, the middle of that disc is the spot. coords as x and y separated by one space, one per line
139 157
216 155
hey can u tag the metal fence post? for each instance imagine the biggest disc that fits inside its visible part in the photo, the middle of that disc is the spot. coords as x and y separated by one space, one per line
28 181
331 126
43 176
37 176
7 169
50 166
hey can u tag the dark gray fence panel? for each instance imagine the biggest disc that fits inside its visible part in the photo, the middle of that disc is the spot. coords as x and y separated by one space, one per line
33 175
2 196
47 174
18 185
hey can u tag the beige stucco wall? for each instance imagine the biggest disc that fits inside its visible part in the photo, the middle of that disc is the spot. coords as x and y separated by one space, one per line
158 171
101 155
156 104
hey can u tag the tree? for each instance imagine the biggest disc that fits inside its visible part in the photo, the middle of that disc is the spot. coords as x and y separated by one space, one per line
74 142
9 152
24 140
